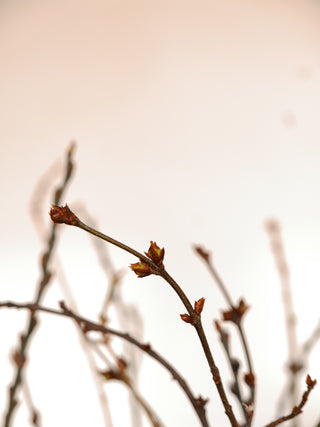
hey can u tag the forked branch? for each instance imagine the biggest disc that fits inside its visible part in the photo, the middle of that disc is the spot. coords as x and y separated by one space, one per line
296 410
152 263
87 325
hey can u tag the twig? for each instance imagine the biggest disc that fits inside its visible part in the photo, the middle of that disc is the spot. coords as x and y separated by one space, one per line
128 315
273 229
104 403
34 413
42 285
296 410
87 325
235 315
147 266
120 374
234 366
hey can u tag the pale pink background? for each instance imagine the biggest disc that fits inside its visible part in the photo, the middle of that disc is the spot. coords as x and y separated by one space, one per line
194 121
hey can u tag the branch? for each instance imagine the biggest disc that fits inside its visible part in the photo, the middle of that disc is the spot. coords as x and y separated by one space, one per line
20 354
87 325
296 410
151 263
273 229
235 315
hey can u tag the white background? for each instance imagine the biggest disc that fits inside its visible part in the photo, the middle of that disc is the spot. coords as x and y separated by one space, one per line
194 122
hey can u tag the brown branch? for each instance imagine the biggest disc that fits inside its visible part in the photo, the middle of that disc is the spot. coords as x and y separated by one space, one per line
273 228
87 325
120 374
35 415
296 410
235 315
234 366
104 404
145 267
42 285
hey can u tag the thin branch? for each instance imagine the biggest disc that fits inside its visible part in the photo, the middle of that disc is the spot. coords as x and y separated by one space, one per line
296 410
198 403
128 315
149 266
273 229
234 366
120 374
308 345
42 285
104 403
34 413
236 317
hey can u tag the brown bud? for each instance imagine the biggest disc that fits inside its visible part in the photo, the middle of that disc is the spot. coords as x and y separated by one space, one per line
198 305
63 215
19 359
202 252
310 383
156 254
186 318
111 374
236 313
249 379
141 269
235 365
201 402
146 347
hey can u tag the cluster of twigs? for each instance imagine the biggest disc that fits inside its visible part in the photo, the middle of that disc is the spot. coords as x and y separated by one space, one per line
148 263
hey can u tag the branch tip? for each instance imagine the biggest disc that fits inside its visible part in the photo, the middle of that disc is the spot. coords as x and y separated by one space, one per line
63 215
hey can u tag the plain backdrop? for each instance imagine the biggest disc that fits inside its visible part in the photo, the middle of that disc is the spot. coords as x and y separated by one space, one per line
194 122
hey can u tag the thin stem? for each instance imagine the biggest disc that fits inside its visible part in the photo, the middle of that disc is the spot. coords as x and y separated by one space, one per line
43 283
197 403
224 338
196 320
220 283
243 338
104 403
273 229
296 410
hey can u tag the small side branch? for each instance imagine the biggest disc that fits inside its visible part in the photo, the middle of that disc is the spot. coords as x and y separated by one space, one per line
20 354
151 263
235 315
296 410
87 325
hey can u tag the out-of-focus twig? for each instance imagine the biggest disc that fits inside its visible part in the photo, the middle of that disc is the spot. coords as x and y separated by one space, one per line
87 325
294 363
128 315
36 210
104 403
120 373
34 413
235 315
21 352
296 410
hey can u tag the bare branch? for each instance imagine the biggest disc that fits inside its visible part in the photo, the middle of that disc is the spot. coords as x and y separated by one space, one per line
296 410
87 325
42 285
151 263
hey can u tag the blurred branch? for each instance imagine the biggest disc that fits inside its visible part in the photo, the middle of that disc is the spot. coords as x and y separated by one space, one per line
44 280
120 374
296 410
235 314
104 404
128 315
294 363
34 413
86 325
